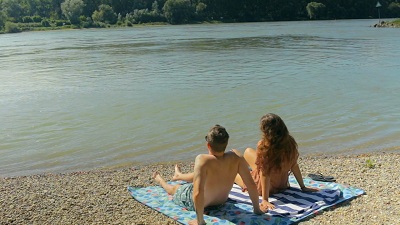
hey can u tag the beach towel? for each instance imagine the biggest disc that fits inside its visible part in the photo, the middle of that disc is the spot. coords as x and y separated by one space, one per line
292 205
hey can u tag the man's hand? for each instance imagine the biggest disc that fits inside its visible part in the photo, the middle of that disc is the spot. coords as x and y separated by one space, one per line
194 222
307 189
265 206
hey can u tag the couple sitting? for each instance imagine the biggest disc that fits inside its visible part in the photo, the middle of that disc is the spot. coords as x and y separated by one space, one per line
214 173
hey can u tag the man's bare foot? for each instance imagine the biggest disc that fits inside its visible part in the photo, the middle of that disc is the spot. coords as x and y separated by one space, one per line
178 173
157 177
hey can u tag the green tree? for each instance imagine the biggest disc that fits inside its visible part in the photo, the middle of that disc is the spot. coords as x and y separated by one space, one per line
394 9
155 9
56 9
3 20
105 14
178 11
200 9
41 8
12 9
315 9
121 6
72 10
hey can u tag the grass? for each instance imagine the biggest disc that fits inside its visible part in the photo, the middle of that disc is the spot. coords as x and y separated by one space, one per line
396 22
370 164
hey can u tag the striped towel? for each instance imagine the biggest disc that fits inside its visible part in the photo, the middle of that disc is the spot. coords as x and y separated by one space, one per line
292 202
292 205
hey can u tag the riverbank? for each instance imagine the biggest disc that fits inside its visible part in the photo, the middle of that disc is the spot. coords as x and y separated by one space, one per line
100 197
390 24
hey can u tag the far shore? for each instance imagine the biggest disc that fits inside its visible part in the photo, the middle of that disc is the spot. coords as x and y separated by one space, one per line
101 196
388 24
391 23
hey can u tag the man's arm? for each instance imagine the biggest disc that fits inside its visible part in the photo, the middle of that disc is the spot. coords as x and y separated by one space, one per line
199 179
251 186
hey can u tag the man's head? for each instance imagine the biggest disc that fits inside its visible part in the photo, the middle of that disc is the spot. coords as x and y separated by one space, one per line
217 138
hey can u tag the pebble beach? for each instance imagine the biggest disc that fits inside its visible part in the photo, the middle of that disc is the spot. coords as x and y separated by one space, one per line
101 196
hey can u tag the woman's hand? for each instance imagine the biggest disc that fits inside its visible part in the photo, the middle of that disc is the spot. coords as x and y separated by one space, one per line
265 206
307 189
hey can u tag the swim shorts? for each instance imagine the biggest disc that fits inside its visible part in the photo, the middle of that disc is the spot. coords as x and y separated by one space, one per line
184 196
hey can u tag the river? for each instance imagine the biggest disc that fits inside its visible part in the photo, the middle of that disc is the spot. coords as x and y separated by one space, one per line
107 98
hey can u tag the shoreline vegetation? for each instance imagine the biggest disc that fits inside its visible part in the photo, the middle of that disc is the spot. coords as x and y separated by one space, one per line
391 24
22 27
34 15
101 196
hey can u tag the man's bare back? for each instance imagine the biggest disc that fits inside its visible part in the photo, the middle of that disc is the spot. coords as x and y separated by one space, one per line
220 175
213 177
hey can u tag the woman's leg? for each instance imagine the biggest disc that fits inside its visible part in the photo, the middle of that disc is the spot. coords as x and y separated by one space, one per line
239 181
238 178
250 155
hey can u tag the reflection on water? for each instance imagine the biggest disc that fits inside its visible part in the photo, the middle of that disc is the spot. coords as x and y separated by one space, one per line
83 99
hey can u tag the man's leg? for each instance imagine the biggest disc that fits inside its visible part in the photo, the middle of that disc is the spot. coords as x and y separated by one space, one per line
169 188
188 177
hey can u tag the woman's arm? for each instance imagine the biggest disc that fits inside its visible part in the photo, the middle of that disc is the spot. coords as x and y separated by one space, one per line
297 174
265 184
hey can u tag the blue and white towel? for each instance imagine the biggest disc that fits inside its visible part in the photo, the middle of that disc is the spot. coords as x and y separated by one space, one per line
292 202
292 205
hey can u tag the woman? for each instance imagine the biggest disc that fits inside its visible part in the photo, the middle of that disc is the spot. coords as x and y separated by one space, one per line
275 157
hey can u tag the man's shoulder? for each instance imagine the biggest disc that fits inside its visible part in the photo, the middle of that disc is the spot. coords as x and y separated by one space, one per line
232 155
201 158
228 156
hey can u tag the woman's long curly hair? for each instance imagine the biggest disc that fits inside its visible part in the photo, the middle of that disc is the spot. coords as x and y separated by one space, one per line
276 146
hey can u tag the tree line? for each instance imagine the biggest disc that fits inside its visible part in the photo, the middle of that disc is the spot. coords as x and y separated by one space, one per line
20 15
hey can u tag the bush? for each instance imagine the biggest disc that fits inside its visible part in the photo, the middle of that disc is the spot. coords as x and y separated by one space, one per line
99 25
83 18
45 23
71 26
37 19
60 23
11 27
144 16
86 25
27 19
27 26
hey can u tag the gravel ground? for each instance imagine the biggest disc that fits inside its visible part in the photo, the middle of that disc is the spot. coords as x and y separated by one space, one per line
101 197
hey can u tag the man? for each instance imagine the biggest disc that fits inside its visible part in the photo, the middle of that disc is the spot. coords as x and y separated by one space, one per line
213 177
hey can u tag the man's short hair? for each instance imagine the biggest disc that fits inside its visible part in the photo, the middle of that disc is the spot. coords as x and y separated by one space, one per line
217 137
